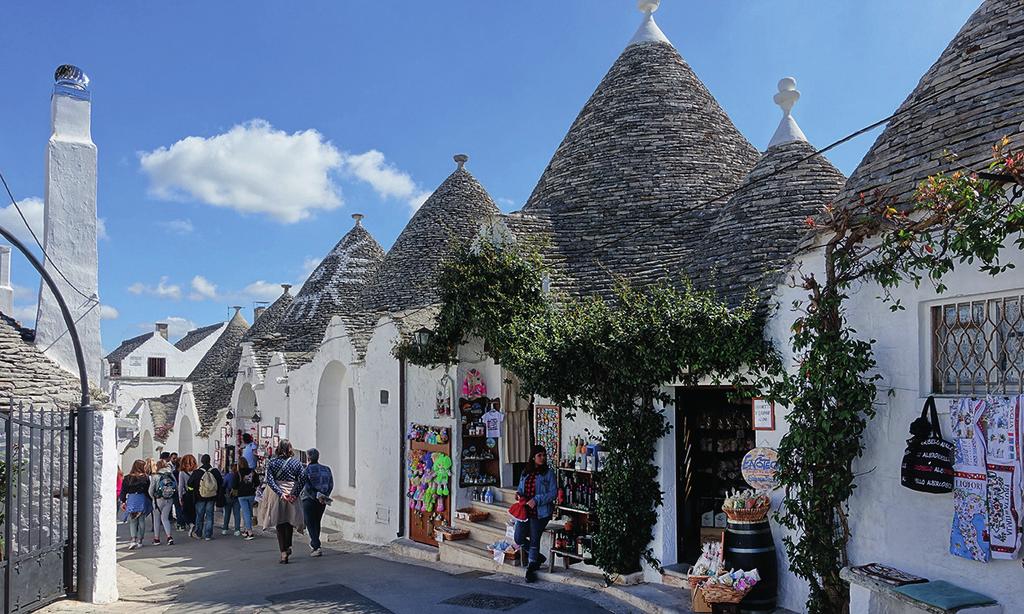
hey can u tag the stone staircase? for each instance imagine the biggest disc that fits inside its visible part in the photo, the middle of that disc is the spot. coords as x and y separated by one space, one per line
339 518
473 552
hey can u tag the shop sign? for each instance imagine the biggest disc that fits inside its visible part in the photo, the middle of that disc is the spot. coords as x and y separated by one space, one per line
763 414
760 467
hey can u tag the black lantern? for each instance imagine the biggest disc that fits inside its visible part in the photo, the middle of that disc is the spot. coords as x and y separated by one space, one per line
422 337
256 417
230 415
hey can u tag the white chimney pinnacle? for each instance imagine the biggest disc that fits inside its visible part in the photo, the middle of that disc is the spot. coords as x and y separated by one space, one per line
460 160
6 290
648 32
788 130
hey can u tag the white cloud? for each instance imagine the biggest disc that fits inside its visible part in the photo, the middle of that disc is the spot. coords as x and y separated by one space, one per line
26 314
251 168
385 179
309 265
23 292
178 227
202 288
161 290
101 229
108 312
33 209
176 326
262 291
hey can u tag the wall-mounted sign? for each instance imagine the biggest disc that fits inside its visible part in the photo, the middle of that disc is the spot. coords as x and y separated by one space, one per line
763 414
760 467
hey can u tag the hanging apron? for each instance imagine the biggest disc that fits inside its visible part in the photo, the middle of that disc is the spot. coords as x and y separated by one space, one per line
1002 427
969 537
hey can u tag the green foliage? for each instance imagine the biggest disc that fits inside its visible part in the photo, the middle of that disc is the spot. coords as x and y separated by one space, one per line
608 359
954 218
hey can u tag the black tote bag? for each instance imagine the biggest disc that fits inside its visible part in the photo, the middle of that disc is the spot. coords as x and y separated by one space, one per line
928 459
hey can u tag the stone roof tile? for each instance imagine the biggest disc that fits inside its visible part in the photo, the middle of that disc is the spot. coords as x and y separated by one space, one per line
213 378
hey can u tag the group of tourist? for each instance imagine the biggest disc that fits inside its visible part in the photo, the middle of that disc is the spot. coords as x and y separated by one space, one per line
290 497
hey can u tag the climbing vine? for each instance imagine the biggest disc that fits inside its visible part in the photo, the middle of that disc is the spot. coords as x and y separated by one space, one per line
954 218
609 359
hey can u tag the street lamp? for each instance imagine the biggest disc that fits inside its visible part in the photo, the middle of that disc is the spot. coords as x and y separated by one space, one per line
256 417
422 337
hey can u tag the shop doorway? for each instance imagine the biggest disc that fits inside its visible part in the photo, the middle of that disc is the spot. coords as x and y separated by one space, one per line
713 433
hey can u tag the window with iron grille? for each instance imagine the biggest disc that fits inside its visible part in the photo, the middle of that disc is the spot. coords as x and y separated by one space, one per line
978 346
156 367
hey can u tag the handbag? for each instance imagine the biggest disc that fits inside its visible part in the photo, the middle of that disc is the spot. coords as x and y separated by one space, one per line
928 459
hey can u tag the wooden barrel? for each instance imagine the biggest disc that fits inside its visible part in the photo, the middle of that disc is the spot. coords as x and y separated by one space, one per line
749 545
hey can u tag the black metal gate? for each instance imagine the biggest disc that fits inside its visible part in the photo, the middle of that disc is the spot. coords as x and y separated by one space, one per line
38 495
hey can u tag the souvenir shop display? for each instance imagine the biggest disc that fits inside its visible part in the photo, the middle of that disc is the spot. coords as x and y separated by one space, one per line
547 428
429 481
449 533
444 396
577 498
729 586
747 506
987 486
928 459
479 458
709 564
473 384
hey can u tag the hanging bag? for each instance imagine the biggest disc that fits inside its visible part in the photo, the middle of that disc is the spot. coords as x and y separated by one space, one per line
928 459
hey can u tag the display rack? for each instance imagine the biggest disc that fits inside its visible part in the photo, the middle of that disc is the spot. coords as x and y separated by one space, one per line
578 490
479 462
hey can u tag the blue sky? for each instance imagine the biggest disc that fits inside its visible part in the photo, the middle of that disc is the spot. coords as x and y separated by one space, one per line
304 113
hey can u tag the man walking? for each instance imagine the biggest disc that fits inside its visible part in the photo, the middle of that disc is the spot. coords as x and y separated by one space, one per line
206 482
314 488
249 450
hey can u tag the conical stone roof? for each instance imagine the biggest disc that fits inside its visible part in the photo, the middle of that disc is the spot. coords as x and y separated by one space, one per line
409 271
969 99
213 379
271 317
334 288
648 148
750 244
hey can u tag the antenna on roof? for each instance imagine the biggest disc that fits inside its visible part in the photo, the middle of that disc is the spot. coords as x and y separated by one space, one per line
461 160
788 131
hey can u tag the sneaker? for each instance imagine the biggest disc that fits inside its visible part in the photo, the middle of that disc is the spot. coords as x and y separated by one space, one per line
316 553
237 533
224 532
139 544
132 546
156 541
249 537
206 539
531 575
170 541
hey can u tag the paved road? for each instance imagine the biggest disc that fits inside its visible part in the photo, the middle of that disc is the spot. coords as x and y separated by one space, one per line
229 574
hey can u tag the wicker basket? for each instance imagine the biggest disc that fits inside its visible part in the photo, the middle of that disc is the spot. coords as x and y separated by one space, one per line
719 593
754 514
696 580
471 514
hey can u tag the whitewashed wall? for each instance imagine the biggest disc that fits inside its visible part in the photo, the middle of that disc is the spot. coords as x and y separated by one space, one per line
892 524
136 363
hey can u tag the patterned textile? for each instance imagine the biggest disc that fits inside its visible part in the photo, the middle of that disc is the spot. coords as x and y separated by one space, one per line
969 537
516 438
283 470
1001 423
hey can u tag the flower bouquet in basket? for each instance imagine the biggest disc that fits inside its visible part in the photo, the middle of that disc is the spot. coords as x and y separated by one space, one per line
729 586
709 564
747 506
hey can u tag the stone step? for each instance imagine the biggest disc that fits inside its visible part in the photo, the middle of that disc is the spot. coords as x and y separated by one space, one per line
470 553
488 531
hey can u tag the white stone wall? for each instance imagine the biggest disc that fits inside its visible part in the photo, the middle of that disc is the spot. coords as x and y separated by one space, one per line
136 364
891 524
191 357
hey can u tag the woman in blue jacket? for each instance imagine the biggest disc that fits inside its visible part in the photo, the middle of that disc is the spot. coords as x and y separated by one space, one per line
538 486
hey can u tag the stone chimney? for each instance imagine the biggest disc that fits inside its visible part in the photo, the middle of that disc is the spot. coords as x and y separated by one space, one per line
161 328
257 311
69 227
6 291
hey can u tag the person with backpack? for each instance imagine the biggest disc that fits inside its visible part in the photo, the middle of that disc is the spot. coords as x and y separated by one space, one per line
186 496
163 490
206 484
231 504
248 482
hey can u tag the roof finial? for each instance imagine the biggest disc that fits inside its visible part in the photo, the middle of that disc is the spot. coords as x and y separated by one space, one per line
237 308
461 160
648 32
788 131
358 217
286 287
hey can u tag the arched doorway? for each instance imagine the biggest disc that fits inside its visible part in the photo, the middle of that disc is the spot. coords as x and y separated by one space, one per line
185 437
332 420
246 402
147 445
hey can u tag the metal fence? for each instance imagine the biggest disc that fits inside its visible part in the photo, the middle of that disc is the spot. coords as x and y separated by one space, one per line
38 505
